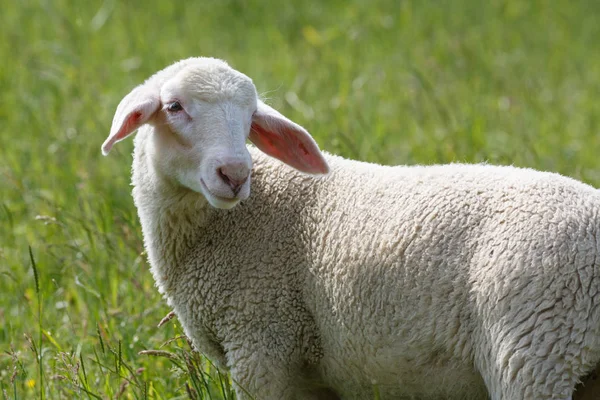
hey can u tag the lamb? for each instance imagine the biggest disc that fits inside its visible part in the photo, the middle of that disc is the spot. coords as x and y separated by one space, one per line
339 279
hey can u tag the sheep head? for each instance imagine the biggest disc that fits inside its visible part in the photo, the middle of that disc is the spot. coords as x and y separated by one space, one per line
200 112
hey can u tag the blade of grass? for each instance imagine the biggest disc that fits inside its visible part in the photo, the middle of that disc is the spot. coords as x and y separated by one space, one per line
41 331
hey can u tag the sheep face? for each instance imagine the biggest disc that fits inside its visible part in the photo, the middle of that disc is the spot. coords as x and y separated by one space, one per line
200 112
201 131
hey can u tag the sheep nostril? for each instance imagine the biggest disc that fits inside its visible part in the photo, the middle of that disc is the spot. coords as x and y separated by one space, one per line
223 176
235 183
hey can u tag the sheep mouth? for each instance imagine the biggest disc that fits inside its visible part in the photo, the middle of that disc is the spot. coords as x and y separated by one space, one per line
230 201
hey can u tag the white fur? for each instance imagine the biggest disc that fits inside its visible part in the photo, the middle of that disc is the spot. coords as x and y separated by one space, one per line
414 282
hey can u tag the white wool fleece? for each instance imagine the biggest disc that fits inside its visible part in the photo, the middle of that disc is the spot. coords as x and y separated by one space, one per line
441 282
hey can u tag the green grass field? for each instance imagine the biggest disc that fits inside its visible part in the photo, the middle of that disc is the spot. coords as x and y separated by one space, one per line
507 82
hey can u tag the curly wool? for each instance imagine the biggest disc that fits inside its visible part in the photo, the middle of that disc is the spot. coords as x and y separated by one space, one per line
416 282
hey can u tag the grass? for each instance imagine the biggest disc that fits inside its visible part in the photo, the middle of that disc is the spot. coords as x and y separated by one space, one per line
507 82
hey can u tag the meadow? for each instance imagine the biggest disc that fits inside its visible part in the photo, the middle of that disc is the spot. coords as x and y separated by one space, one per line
395 82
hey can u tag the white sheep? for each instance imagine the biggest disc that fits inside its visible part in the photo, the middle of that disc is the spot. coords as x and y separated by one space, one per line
453 281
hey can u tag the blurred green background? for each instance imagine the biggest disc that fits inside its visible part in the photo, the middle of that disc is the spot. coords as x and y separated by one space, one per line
506 82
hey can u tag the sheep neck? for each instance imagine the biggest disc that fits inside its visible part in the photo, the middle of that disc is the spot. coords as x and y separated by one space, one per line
171 215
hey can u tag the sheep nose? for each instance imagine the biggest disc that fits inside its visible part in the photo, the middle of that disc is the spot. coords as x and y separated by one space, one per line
234 175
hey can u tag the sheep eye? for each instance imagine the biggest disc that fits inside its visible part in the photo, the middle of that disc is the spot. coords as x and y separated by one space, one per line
174 107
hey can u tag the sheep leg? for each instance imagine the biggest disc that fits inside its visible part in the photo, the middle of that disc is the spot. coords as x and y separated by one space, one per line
257 376
514 371
540 390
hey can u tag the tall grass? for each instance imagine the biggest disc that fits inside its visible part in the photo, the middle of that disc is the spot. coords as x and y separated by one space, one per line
508 82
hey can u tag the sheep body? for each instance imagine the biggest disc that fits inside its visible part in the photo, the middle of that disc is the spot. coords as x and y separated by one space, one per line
412 282
415 280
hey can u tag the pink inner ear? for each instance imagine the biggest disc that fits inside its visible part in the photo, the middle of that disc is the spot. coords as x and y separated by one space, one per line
135 115
131 123
294 147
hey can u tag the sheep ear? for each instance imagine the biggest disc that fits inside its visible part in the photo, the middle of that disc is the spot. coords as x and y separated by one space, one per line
285 140
134 111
